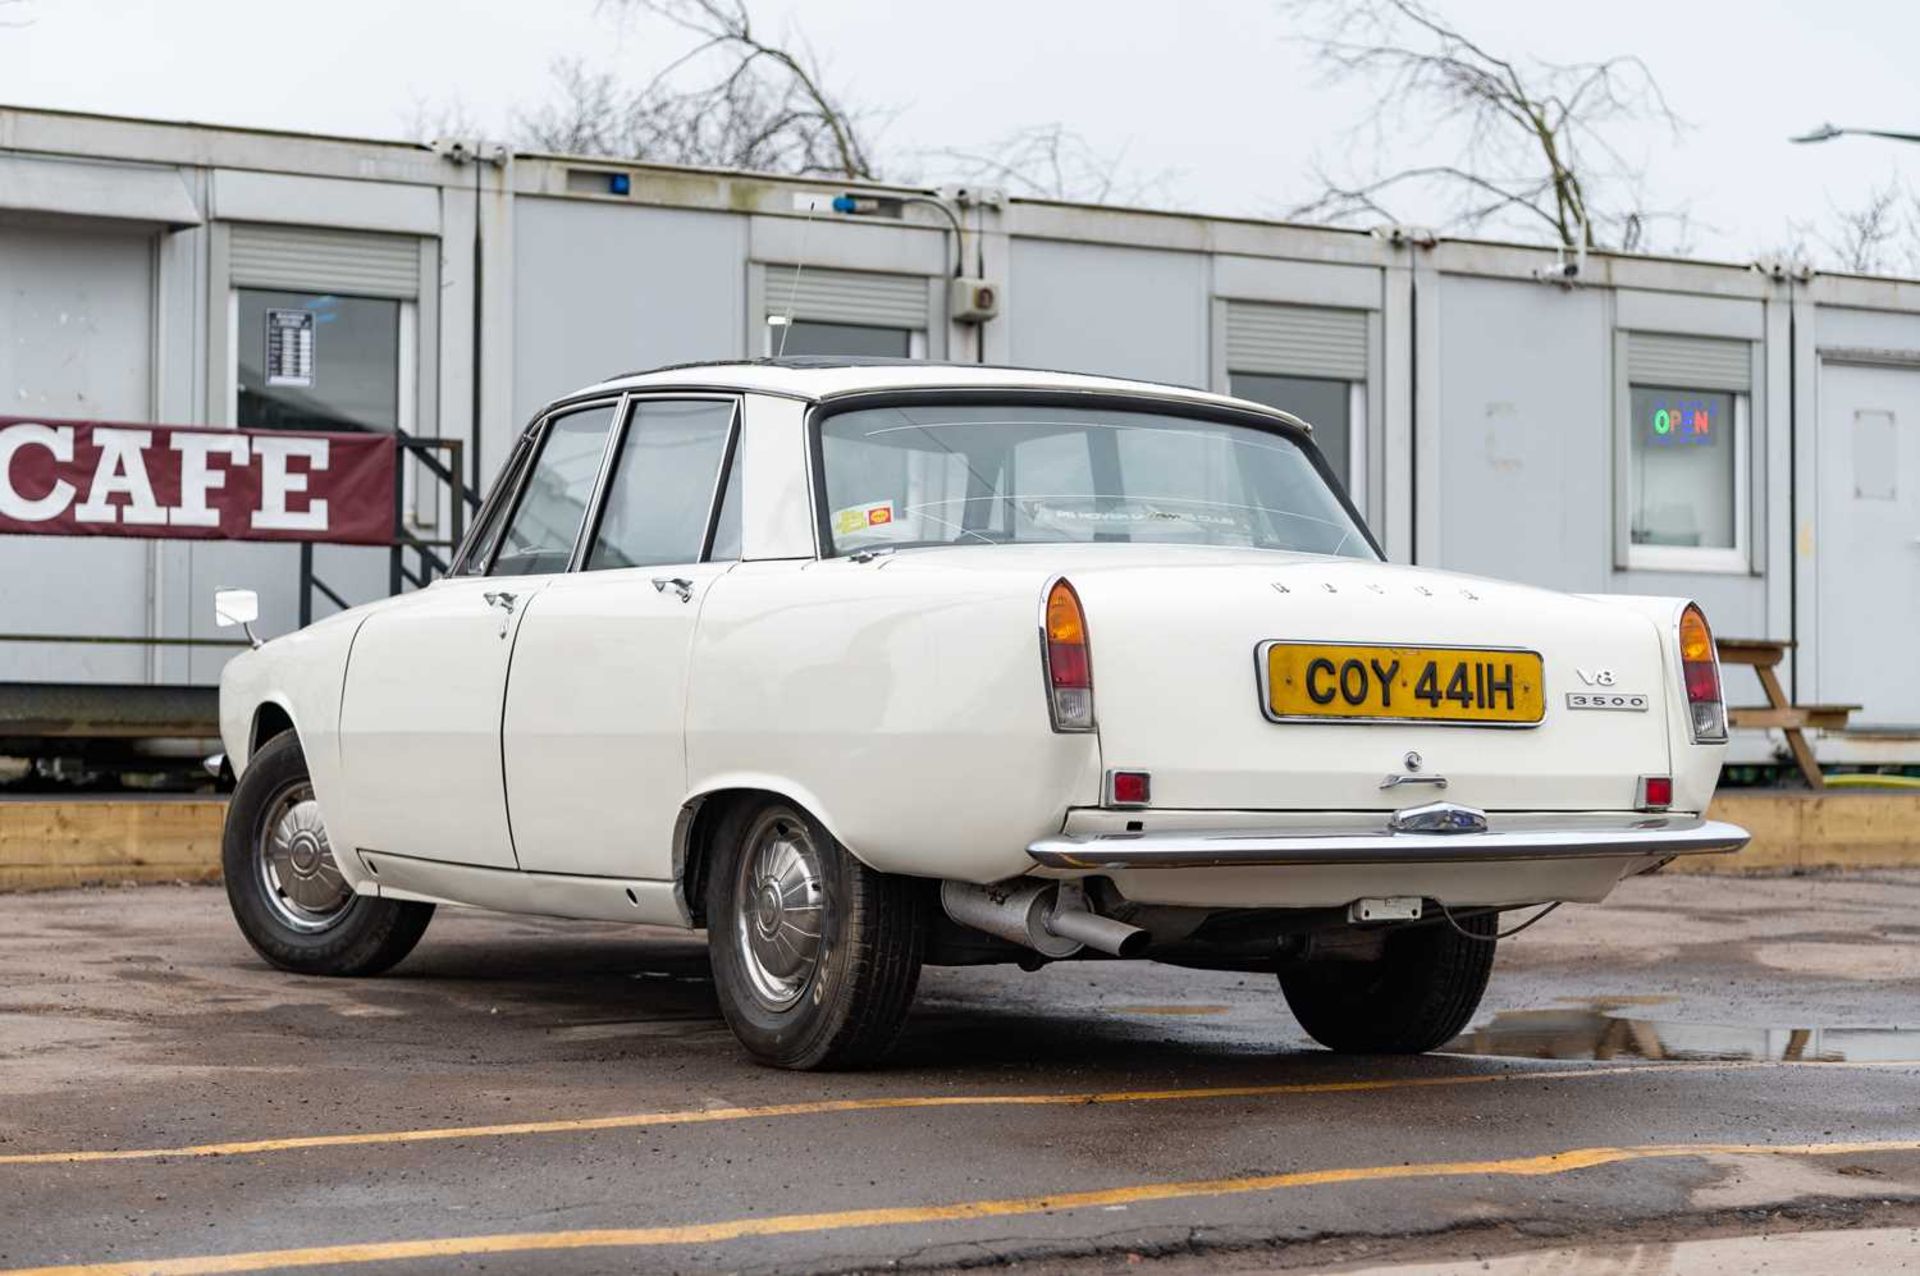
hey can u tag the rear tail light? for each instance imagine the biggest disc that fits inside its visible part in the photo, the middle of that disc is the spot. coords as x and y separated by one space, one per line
1656 792
1069 668
1700 667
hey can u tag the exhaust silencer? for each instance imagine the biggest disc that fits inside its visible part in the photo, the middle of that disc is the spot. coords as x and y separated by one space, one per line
1024 912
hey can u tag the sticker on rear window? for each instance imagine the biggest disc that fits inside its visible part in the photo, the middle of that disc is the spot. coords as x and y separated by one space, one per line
863 518
1078 516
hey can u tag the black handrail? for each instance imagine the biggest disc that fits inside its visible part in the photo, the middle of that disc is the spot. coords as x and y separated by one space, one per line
428 564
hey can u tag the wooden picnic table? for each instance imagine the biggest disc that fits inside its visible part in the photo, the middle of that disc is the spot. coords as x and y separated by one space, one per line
1763 655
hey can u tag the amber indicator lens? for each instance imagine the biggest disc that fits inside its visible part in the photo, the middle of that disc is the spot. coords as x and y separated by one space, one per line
1069 667
1701 672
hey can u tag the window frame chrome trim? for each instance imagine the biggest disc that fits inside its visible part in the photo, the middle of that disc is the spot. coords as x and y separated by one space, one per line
630 402
538 437
504 492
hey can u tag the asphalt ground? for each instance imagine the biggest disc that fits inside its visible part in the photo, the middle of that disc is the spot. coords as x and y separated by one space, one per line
526 1095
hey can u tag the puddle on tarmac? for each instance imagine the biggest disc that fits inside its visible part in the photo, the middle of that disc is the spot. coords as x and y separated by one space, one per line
1603 1033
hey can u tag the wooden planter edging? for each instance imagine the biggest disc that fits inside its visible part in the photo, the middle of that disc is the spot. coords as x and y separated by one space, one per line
53 842
1829 829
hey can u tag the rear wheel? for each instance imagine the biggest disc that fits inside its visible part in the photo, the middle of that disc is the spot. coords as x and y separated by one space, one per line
815 955
284 884
1417 996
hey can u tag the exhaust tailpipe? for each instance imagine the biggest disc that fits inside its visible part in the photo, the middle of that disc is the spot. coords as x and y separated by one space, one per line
1024 912
1095 931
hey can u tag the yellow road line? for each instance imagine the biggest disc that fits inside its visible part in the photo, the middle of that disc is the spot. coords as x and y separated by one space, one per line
847 1220
702 1116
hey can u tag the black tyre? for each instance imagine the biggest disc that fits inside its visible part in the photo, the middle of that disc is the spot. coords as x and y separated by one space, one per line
1416 997
815 955
284 887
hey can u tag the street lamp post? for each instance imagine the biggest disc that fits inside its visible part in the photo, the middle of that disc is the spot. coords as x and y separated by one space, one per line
1827 132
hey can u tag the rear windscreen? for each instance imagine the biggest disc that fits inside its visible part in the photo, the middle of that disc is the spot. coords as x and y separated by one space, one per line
979 474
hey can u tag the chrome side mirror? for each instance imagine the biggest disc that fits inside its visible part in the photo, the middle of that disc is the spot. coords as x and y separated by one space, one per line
237 607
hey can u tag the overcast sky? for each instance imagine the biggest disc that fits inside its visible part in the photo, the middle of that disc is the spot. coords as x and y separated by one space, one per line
1210 91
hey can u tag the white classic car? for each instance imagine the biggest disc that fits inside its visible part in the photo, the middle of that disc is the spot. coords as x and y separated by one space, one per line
861 665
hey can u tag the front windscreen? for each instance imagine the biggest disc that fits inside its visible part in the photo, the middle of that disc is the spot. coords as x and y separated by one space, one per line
999 474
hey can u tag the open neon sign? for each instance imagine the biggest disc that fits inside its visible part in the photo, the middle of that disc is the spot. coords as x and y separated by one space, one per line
1682 424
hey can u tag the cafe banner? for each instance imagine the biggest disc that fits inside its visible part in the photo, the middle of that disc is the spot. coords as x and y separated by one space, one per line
99 478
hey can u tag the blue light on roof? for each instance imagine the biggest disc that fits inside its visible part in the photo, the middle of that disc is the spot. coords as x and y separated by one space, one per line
620 183
845 204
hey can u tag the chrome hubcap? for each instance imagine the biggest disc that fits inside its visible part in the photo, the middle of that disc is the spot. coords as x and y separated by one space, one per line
779 909
302 883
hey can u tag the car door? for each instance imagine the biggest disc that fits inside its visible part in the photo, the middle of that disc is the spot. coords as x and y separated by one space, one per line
420 720
594 738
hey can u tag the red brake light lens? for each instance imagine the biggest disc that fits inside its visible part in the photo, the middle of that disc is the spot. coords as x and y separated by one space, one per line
1132 788
1656 792
1700 669
1069 667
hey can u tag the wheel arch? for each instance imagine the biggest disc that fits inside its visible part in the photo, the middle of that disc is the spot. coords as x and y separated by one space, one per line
700 816
271 717
260 718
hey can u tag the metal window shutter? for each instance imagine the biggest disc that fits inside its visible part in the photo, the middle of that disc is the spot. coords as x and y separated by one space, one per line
1689 363
849 296
298 258
1296 340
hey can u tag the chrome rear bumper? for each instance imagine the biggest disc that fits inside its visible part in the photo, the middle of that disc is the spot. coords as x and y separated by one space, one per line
1638 835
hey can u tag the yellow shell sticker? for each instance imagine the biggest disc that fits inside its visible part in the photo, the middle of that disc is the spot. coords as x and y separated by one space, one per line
861 518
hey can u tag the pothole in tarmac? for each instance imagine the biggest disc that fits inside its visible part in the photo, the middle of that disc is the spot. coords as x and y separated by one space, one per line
1604 1032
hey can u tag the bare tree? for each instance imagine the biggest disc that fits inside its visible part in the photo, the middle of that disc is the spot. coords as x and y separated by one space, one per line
1876 237
426 119
1051 161
1529 142
735 99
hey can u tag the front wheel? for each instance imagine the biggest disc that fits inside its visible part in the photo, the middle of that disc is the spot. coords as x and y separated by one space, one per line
285 888
1415 997
815 955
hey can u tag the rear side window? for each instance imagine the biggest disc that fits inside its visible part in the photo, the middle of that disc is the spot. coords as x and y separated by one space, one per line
545 525
660 500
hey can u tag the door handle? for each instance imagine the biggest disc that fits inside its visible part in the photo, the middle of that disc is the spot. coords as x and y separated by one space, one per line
504 601
680 585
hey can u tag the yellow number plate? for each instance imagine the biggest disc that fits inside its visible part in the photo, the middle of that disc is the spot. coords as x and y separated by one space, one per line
1354 683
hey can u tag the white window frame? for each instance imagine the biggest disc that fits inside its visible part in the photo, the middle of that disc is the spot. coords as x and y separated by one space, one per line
407 356
419 501
1357 445
770 340
1697 558
1356 427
